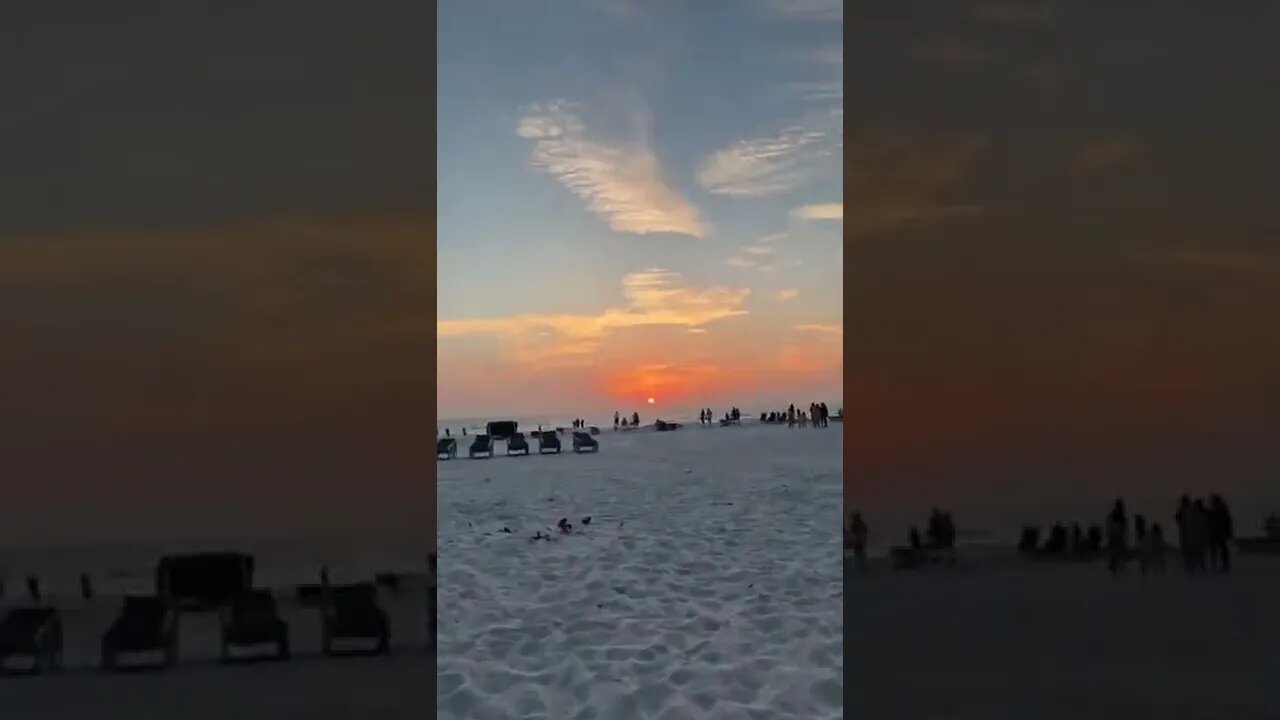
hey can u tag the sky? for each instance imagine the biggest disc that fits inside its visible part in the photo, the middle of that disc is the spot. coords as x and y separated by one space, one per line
638 200
1063 257
215 270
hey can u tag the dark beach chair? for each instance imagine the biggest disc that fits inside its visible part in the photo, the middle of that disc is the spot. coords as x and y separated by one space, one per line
146 624
482 445
548 442
447 448
204 581
35 633
517 444
352 612
252 619
583 442
664 426
594 430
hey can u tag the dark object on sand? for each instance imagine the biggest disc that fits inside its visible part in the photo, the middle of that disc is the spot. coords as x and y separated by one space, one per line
586 520
145 624
517 444
352 612
482 445
593 430
204 581
33 632
583 442
309 594
252 619
502 429
446 448
564 525
388 580
1030 540
548 442
664 426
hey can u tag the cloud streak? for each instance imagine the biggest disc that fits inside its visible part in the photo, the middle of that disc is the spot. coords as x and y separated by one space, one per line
764 166
819 211
622 185
654 297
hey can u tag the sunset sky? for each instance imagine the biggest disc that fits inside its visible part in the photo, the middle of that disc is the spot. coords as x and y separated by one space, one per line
215 270
1064 256
638 200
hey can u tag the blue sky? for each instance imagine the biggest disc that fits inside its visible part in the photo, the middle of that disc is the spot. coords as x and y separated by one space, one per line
688 149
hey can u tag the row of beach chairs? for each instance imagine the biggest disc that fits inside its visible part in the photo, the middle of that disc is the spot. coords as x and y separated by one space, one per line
149 624
482 445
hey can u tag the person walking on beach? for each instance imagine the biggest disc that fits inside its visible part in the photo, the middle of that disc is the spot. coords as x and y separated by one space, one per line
1183 519
86 586
1152 549
1220 534
635 419
1139 530
33 588
791 416
1117 537
858 536
616 419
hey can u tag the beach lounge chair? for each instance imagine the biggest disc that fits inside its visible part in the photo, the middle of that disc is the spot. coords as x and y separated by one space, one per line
32 632
517 444
548 442
146 624
664 426
252 619
204 581
583 442
482 445
447 448
502 429
352 612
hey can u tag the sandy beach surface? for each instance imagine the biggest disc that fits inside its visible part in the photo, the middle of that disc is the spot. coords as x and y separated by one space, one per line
1003 638
310 685
707 584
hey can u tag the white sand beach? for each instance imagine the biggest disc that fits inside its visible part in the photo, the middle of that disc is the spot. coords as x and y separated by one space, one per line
1002 638
707 585
309 685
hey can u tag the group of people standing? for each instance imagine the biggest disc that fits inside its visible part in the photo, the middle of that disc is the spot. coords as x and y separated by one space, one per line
818 415
706 417
1205 530
619 421
579 424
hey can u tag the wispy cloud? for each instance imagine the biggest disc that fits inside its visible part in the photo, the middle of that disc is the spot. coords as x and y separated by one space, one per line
951 50
623 185
654 297
786 295
765 166
1104 152
819 211
828 331
894 178
759 255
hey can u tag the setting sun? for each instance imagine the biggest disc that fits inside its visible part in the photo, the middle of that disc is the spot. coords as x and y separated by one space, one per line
650 401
